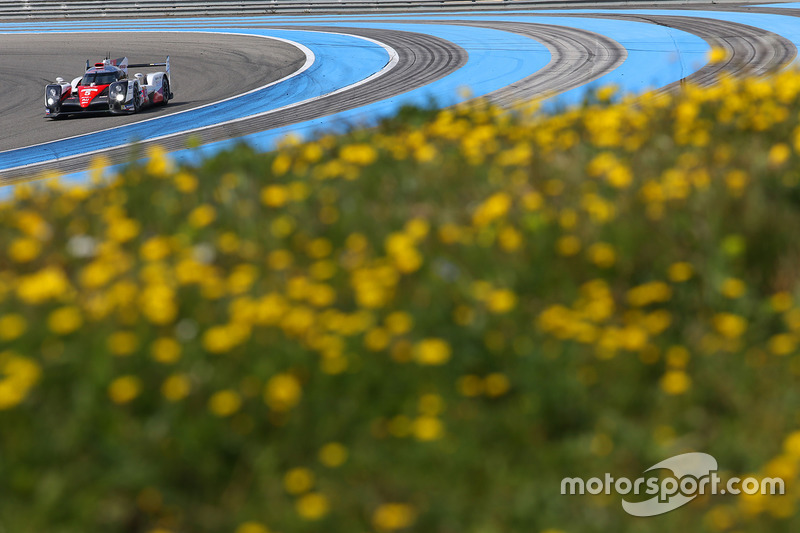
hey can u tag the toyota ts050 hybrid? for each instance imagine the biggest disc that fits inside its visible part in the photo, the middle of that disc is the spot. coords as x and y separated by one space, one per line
106 88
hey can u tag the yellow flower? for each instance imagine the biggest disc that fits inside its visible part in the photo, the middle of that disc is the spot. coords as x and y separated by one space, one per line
430 404
122 229
510 239
602 254
221 339
96 274
730 325
281 164
64 320
157 303
322 270
279 259
165 350
432 352
677 357
717 55
17 376
399 322
449 233
242 278
376 339
733 288
358 154
427 428
493 208
532 201
185 182
159 164
779 154
736 180
791 444
202 215
606 93
252 527
497 384
12 326
155 248
319 248
176 387
46 284
274 195
781 301
417 228
321 295
24 250
680 272
282 392
122 343
501 301
782 344
224 403
675 382
568 245
298 480
312 506
648 293
356 242
393 516
333 454
124 389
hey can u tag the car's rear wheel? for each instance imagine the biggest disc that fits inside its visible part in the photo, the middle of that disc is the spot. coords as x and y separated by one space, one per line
165 90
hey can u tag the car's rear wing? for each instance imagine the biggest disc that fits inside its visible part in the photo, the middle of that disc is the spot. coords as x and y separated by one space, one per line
141 65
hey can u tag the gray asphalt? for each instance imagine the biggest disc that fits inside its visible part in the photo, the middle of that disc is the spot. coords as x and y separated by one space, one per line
204 69
577 57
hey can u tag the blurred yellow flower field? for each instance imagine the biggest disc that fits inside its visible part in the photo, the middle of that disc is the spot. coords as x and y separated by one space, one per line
420 327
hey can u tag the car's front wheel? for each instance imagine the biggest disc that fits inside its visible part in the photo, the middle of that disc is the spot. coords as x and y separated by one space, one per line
137 98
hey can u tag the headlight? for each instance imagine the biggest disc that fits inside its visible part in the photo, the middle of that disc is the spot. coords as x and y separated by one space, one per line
118 91
52 94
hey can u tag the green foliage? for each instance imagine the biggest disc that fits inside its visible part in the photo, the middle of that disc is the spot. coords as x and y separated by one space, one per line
422 327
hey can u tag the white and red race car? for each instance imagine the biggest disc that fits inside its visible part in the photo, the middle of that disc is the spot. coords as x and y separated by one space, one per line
106 88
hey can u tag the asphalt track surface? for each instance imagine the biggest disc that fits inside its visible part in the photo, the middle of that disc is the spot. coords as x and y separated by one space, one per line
209 68
204 68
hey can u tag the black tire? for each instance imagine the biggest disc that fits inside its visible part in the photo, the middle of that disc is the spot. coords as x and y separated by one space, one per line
165 90
137 98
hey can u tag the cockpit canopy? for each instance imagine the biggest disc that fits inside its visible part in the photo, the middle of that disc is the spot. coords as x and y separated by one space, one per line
102 77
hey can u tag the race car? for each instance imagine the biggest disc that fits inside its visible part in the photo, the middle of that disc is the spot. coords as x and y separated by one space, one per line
106 88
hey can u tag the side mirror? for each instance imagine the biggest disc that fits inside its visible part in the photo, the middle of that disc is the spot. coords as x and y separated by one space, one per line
59 80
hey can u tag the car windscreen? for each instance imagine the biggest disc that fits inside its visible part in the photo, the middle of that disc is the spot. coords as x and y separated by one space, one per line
99 78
